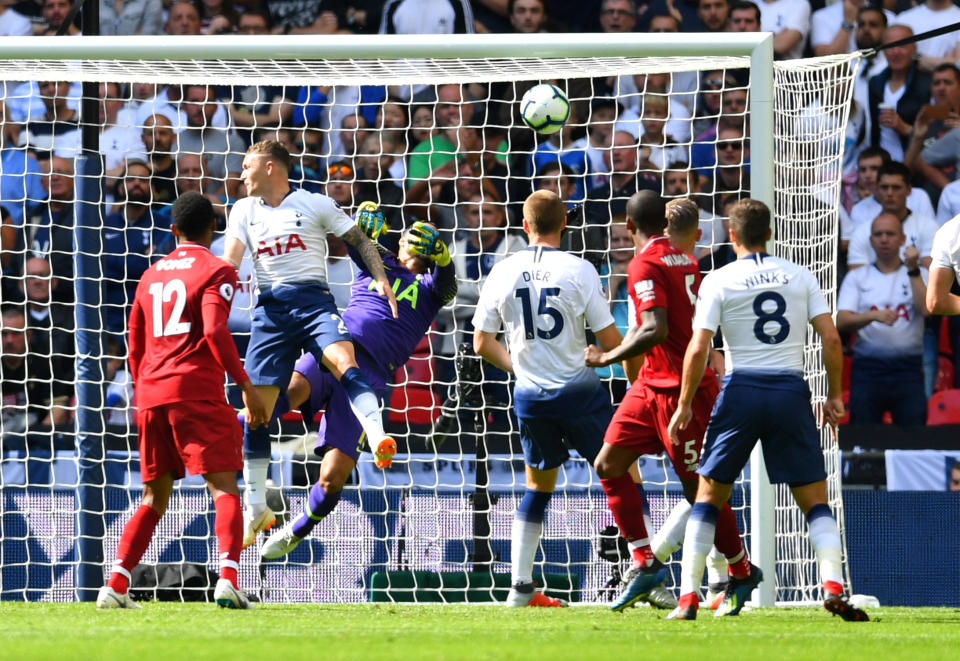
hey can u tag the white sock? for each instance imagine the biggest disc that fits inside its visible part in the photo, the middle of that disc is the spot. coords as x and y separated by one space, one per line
718 571
647 523
524 541
697 543
669 538
825 538
255 477
367 409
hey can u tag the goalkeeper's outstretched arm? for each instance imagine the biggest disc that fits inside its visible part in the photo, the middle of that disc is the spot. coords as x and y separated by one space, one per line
446 282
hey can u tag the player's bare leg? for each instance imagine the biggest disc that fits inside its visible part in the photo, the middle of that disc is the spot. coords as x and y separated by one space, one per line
341 360
298 391
335 469
256 463
134 541
525 538
825 539
228 526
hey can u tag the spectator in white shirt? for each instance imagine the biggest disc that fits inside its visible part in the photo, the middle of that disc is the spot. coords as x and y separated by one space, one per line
13 24
789 21
930 15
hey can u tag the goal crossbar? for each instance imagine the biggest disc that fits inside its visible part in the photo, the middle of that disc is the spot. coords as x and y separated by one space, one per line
386 60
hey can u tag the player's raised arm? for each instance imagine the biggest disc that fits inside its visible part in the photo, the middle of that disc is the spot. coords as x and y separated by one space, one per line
233 250
424 241
371 258
233 245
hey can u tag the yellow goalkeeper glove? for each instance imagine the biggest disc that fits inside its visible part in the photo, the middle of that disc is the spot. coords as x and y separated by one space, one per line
370 220
424 241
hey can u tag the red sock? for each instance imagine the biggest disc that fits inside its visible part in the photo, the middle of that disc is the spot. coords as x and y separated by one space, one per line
727 541
133 543
626 504
228 525
832 588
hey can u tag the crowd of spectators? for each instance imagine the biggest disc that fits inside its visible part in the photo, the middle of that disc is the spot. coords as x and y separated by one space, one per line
458 155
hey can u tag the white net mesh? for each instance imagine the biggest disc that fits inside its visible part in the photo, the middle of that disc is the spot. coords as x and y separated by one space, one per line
811 107
389 131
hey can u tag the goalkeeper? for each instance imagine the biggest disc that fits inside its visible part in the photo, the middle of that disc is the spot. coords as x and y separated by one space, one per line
424 280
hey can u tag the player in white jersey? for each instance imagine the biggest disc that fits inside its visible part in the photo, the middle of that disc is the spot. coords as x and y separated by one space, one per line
285 230
762 304
544 298
945 269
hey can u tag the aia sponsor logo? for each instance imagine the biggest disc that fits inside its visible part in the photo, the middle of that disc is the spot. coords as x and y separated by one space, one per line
281 246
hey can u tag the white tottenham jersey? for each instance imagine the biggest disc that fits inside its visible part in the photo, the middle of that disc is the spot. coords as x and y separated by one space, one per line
945 253
762 304
288 242
866 289
544 297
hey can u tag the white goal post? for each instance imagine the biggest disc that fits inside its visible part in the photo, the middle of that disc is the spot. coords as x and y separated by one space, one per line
796 116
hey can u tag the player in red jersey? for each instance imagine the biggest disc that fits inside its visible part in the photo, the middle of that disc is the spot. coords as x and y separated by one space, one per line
662 281
179 349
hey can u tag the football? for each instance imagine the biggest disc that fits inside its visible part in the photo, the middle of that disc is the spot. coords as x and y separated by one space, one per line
545 108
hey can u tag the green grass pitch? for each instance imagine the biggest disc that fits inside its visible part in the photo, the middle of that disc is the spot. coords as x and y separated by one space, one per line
277 632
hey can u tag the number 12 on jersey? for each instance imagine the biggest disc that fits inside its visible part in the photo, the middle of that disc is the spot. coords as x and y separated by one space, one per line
161 293
530 328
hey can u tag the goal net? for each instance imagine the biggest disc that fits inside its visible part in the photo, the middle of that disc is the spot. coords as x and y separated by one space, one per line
427 130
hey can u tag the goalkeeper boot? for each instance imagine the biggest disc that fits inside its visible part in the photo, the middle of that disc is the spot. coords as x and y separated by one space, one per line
280 543
686 608
639 581
228 596
256 520
662 598
383 453
110 598
738 592
839 605
526 594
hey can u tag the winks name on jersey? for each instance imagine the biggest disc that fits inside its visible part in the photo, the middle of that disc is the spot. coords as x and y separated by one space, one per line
281 247
766 280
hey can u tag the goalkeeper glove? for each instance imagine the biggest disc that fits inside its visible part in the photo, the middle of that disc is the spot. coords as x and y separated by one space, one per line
370 220
424 241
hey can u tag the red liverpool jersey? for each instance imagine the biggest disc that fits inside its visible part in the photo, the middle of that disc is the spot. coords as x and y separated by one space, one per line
662 276
179 342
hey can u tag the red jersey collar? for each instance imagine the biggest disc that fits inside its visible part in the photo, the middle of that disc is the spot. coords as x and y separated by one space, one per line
189 244
651 240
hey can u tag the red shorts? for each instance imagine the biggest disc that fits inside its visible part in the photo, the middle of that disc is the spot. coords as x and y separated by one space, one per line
640 424
203 437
